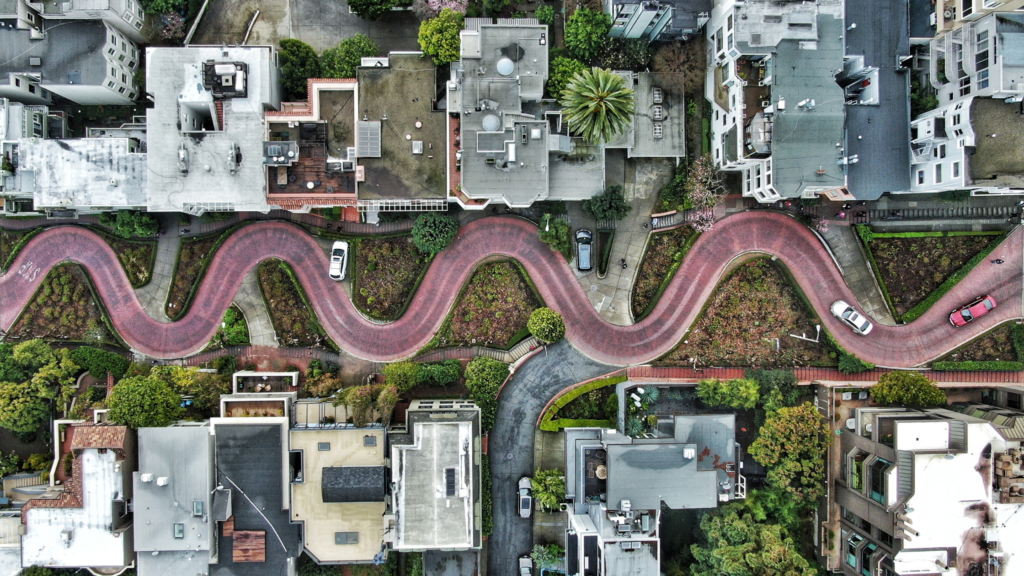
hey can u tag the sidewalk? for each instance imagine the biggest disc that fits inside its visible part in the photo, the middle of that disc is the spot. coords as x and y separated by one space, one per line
857 273
250 302
154 294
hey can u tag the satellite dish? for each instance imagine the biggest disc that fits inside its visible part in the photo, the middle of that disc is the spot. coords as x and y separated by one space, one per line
506 67
491 123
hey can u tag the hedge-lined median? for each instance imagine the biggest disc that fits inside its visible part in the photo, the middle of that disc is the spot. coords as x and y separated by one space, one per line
664 254
989 366
11 243
196 253
550 424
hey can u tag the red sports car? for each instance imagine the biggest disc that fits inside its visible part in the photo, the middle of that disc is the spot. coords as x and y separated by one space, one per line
975 309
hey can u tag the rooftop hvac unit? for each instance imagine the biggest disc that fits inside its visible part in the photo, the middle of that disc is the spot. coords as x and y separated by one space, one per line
659 131
147 478
658 112
947 13
162 481
656 95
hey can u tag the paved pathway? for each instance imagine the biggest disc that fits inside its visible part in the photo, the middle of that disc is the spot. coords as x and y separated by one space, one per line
250 302
763 232
857 272
153 295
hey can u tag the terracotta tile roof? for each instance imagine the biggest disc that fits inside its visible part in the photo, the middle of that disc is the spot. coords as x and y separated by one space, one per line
71 497
111 437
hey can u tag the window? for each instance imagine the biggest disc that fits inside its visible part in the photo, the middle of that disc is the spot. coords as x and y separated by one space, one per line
718 40
848 516
851 548
345 538
138 25
965 86
113 72
956 169
17 82
885 538
120 58
110 84
132 95
879 468
369 440
857 470
920 176
942 151
124 45
179 530
1013 400
728 24
110 51
982 79
113 39
197 507
938 173
966 8
865 558
323 446
32 88
124 79
131 64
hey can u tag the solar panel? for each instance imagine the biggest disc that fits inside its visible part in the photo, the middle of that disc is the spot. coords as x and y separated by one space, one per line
368 139
449 482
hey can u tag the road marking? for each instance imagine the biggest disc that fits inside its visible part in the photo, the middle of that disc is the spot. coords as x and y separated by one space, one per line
29 271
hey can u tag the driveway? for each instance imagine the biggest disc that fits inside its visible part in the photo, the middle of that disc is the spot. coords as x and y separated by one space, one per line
324 23
532 386
225 22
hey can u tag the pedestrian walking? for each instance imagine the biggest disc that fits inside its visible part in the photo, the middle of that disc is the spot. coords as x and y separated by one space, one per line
997 261
841 215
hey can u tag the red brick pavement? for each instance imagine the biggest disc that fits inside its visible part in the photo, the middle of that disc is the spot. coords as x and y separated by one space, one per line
829 376
769 233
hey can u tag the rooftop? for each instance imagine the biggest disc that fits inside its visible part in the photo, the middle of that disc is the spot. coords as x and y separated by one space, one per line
766 23
506 151
83 172
71 51
881 37
250 464
804 153
328 508
223 149
435 481
183 457
398 96
639 561
88 524
670 113
996 160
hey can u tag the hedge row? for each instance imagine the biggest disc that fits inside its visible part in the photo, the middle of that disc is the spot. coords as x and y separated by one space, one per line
17 248
1017 335
923 306
548 422
486 504
971 365
98 362
556 425
668 277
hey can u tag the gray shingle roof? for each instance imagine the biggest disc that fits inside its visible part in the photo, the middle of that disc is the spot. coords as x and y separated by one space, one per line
353 483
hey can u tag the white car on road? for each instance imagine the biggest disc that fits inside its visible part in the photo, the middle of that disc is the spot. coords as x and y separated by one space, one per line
339 260
855 320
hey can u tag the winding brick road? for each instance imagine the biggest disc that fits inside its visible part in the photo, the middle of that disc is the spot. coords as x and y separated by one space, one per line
901 346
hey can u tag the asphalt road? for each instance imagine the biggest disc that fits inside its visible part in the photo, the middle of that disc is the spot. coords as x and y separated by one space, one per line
530 389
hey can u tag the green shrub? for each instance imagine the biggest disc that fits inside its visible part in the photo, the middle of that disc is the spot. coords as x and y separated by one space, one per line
144 402
546 15
1017 334
486 503
370 9
907 389
439 36
98 362
782 381
611 407
954 195
546 325
128 223
402 375
865 232
586 32
608 205
739 393
484 378
850 364
983 365
341 61
414 564
434 231
298 62
69 462
549 422
225 365
548 488
556 233
440 373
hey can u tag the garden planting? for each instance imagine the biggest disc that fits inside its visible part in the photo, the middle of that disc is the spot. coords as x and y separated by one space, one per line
665 252
492 310
193 257
387 271
747 322
135 256
294 320
63 309
11 242
233 330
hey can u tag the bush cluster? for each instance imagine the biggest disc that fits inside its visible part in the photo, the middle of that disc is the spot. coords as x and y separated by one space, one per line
98 362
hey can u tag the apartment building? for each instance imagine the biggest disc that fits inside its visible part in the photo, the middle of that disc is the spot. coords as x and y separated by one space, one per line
930 491
950 15
86 61
659 21
126 16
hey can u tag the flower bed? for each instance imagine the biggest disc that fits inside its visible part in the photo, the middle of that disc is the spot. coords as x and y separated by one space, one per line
916 269
386 274
11 242
64 308
747 322
294 320
193 257
586 405
136 257
995 345
492 310
233 330
665 252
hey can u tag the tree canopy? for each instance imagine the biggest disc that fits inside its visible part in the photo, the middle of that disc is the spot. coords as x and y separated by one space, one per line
434 231
560 72
546 325
298 62
598 105
144 402
402 375
548 488
371 9
608 205
439 37
738 545
556 233
586 32
792 444
907 389
484 378
342 61
128 223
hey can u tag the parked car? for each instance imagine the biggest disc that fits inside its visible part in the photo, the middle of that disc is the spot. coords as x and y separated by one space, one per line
525 566
856 321
339 260
584 254
525 497
979 307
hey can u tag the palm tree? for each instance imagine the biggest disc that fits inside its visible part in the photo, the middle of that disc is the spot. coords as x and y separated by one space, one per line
597 104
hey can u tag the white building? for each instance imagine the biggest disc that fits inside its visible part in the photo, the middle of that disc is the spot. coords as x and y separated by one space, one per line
87 62
126 16
984 58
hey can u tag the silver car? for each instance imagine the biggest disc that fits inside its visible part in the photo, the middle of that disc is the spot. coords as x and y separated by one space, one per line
525 497
525 566
856 321
339 260
584 252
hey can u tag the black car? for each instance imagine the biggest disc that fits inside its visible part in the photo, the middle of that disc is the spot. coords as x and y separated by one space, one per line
584 252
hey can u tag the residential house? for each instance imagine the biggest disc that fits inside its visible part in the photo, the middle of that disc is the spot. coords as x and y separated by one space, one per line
88 62
689 462
657 21
87 521
952 15
932 491
207 127
18 122
984 57
435 478
126 16
174 499
777 111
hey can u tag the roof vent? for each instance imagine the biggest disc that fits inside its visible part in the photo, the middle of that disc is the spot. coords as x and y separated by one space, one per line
147 478
35 61
162 481
491 123
505 67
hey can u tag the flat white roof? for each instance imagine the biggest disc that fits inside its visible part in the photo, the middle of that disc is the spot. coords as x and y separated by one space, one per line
924 435
92 542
